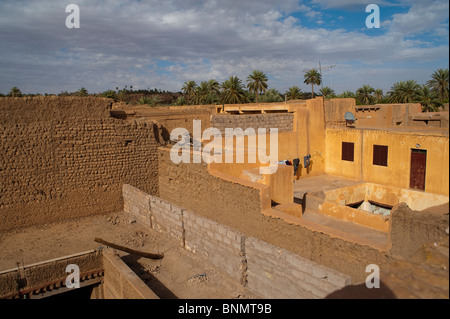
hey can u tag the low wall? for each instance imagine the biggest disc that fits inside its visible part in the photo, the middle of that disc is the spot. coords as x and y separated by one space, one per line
279 274
284 122
411 229
120 282
44 277
269 271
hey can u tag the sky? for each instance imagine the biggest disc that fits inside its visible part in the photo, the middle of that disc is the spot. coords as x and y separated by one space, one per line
164 43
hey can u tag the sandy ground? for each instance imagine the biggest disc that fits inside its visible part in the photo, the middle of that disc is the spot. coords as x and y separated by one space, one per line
178 275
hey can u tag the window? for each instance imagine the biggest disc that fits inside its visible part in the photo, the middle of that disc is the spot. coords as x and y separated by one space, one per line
348 151
380 155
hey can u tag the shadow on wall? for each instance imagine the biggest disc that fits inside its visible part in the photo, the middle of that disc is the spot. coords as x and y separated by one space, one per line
151 281
362 292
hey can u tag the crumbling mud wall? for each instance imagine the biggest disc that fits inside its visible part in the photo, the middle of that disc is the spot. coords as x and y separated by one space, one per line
411 229
192 186
66 158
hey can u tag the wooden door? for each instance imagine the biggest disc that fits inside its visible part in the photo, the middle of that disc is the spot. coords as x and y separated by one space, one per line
418 169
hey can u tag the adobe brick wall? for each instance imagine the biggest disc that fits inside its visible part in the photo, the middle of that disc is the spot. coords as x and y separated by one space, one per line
18 110
283 121
69 165
270 271
193 187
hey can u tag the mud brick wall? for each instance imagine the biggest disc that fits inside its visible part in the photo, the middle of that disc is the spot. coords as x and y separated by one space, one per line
193 187
411 229
276 273
53 168
283 121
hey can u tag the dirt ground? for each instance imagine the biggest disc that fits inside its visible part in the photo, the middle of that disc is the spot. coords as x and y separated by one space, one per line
179 274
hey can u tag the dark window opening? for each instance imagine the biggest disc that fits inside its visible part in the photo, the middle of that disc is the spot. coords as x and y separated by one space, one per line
348 151
380 155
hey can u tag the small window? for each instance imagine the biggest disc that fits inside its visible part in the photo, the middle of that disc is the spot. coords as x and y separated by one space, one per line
348 151
380 155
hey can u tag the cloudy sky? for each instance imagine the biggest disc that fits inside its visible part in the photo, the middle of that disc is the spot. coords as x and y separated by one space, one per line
163 43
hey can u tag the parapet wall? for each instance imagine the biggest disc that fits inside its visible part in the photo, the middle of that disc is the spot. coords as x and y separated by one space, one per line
16 110
69 165
284 122
269 271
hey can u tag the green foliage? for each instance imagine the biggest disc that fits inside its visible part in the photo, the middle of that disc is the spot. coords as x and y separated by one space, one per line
347 94
152 101
233 91
110 94
82 92
439 84
181 101
312 77
294 93
327 92
404 92
15 92
257 83
364 95
189 88
428 98
270 96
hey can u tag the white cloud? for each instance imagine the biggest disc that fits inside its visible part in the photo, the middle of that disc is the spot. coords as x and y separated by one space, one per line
119 42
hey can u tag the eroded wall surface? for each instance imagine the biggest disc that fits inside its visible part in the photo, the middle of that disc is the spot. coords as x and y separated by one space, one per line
66 158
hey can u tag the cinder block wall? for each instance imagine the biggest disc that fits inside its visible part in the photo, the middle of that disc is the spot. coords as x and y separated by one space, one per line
276 273
282 121
269 271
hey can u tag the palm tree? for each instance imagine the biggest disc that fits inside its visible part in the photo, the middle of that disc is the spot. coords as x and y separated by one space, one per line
201 92
364 95
257 83
145 100
347 94
189 89
271 95
327 92
82 92
429 99
294 93
15 92
378 94
233 91
213 86
180 101
404 92
312 77
439 84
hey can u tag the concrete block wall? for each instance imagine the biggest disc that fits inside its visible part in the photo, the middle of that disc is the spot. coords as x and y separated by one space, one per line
283 121
219 244
269 271
276 273
167 218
